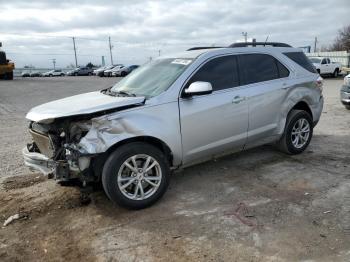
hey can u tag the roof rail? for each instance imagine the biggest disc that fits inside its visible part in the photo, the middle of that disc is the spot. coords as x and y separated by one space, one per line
245 44
203 47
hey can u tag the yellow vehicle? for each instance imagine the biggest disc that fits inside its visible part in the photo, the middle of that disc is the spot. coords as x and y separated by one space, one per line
6 66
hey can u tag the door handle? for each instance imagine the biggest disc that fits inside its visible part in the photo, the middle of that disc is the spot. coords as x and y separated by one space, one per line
238 99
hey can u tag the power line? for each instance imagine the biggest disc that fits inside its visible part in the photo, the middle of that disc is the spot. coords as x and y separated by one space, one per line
50 54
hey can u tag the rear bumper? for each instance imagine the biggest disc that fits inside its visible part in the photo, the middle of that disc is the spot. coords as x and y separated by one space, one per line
38 162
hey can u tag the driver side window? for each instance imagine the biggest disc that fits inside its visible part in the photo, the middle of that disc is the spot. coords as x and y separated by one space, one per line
324 61
221 72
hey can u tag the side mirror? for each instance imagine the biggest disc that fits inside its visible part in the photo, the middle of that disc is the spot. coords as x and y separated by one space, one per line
198 88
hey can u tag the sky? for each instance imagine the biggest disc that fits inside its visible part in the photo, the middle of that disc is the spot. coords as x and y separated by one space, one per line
37 31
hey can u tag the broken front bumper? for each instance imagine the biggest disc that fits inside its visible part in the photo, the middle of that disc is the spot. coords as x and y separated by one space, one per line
59 170
38 162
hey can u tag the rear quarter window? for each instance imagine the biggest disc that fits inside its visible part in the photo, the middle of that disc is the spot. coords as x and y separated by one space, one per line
301 59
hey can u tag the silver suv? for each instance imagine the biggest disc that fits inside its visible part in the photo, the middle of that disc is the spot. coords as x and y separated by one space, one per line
174 112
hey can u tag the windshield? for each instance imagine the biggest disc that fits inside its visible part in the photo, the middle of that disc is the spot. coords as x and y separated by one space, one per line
315 60
152 78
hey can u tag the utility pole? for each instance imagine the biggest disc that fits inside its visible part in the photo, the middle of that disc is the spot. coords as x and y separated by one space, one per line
159 52
54 63
245 34
110 49
75 52
315 44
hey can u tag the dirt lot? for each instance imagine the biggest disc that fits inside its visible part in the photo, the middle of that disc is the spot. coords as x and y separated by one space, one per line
259 205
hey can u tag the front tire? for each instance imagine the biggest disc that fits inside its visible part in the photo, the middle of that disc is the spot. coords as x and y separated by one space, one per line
297 133
136 175
347 107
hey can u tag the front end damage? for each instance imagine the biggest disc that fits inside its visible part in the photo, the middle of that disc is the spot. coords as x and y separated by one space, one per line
70 142
55 151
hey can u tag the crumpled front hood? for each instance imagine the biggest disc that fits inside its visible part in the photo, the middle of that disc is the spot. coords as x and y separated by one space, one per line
87 103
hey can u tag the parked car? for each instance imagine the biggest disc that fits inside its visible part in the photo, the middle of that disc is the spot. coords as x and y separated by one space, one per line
100 72
124 71
36 74
109 72
176 111
56 72
325 66
25 73
80 71
345 92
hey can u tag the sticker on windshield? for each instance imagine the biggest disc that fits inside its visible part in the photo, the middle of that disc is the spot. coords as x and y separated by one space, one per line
182 61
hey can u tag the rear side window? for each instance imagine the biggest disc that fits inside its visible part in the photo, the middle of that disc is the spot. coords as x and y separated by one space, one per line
301 59
282 70
256 68
221 72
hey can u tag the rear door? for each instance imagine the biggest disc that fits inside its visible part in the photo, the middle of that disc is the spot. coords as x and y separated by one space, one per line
215 122
267 81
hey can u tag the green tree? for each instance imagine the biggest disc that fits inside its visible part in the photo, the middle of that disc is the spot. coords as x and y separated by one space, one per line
90 65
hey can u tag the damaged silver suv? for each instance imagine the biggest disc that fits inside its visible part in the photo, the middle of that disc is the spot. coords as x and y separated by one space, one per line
174 112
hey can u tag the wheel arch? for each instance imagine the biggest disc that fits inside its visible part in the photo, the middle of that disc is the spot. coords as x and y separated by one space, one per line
161 145
302 105
98 162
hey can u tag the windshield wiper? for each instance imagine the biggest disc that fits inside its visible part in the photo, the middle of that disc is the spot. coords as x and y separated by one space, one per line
123 93
110 92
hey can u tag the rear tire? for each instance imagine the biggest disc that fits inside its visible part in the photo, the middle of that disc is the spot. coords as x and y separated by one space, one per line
347 107
117 171
297 133
336 73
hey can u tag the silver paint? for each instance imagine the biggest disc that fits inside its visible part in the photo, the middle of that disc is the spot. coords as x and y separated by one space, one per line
198 127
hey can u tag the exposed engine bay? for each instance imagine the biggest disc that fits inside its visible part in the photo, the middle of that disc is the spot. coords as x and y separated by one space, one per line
58 142
70 143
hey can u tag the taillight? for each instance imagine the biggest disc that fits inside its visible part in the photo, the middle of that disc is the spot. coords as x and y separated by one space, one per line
347 80
319 83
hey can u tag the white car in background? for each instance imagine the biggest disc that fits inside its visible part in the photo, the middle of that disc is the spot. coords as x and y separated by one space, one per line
125 70
109 72
56 72
99 71
325 66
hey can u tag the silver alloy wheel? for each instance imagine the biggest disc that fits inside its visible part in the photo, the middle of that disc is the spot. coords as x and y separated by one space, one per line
300 133
139 177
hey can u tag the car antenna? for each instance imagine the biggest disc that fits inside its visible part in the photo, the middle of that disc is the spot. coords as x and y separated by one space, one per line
267 38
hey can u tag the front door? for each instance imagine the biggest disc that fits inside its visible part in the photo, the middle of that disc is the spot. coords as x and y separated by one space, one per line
216 122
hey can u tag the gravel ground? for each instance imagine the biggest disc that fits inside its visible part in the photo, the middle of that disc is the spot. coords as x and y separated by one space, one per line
258 205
